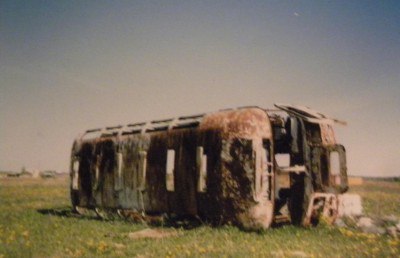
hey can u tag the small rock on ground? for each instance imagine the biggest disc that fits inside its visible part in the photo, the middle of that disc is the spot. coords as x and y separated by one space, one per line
340 223
364 222
392 231
373 230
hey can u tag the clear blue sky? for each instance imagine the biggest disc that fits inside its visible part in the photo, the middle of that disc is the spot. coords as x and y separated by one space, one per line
66 66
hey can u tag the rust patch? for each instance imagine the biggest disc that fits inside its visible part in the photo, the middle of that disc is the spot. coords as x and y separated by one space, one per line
243 123
327 134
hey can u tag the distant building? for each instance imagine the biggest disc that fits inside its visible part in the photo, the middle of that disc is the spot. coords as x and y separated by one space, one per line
355 180
35 173
48 174
25 173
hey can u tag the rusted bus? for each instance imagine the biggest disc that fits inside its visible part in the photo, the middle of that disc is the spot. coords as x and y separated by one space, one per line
221 167
200 166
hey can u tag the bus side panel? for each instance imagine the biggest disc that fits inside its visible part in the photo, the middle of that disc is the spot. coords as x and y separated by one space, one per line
155 196
208 202
85 172
106 193
130 195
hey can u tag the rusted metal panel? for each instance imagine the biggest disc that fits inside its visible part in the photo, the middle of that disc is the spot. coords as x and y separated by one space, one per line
327 135
252 123
321 205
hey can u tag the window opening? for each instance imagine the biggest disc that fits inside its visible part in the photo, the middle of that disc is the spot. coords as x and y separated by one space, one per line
261 171
269 180
96 172
170 170
283 160
118 180
324 168
201 160
142 170
334 167
75 174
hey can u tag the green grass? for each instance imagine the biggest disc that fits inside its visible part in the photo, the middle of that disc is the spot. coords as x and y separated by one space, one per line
380 198
36 221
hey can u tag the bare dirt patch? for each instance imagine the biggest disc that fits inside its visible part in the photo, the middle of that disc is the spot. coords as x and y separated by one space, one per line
152 233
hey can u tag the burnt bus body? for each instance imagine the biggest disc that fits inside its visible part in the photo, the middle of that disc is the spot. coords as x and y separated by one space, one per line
219 167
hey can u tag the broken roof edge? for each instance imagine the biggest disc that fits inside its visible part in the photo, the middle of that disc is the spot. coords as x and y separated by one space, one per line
189 121
155 125
309 114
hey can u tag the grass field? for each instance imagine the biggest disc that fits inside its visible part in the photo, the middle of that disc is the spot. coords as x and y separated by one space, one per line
36 221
